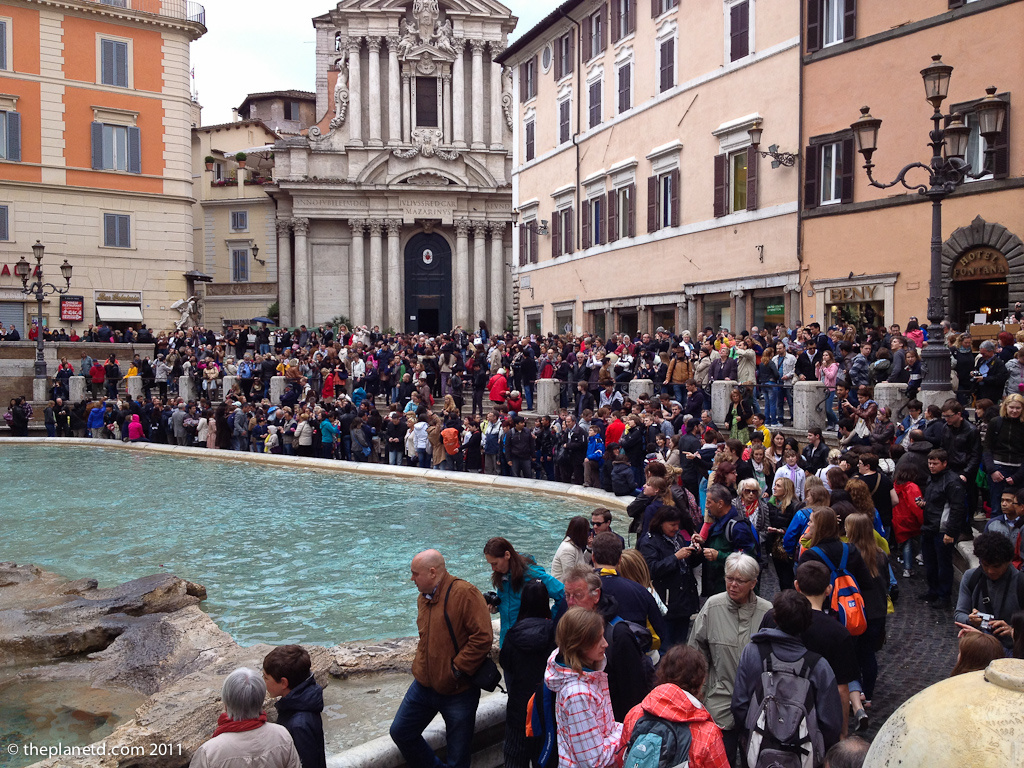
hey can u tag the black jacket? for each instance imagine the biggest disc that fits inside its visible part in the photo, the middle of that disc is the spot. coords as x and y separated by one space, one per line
524 654
299 712
673 578
634 445
963 444
520 444
945 504
992 385
815 458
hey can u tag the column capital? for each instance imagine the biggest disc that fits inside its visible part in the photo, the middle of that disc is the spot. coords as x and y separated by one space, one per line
375 226
373 42
394 226
497 47
406 77
357 225
301 226
497 228
284 226
459 44
479 228
446 78
477 47
393 43
462 227
353 44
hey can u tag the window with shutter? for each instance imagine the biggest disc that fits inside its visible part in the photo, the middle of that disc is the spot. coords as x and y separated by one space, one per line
587 39
567 231
721 185
752 158
239 265
556 234
114 63
585 226
134 150
847 166
534 245
602 20
523 240
612 216
10 136
5 232
564 120
569 48
668 64
814 25
239 221
630 228
529 138
595 103
652 204
3 45
739 30
811 156
673 177
630 16
738 181
625 76
116 230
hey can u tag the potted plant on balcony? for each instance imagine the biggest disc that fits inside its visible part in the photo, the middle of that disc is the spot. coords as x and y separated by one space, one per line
209 162
240 157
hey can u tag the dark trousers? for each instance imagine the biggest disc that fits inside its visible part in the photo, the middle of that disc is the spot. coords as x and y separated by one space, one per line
731 742
866 645
418 708
784 569
678 630
521 468
938 565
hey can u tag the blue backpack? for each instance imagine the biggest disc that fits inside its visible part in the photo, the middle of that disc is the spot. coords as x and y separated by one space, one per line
731 525
658 743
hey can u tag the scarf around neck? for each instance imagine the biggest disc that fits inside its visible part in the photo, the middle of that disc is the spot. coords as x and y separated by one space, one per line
226 725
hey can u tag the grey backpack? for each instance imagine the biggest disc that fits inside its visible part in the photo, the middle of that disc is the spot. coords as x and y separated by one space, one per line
782 722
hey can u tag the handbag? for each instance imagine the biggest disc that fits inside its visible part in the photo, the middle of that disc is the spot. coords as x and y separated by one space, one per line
487 677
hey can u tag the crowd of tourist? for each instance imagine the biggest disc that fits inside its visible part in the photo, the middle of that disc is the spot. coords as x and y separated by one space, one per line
615 649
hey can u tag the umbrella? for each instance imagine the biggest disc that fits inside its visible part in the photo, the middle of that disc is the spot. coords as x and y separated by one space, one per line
266 320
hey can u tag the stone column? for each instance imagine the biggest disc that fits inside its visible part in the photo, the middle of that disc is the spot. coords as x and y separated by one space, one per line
355 102
406 108
394 88
477 46
460 276
496 117
396 288
639 387
808 405
277 387
303 293
284 271
479 273
720 399
357 274
459 95
376 274
133 386
890 395
373 45
497 313
186 388
739 314
77 389
446 107
548 391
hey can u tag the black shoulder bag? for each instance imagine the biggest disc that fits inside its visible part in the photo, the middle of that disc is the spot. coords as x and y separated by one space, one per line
487 677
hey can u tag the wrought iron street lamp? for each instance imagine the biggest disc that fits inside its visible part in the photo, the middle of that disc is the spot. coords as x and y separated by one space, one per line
946 171
39 289
787 159
532 226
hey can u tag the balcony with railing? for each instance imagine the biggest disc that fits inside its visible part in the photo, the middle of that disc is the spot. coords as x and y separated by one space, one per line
183 10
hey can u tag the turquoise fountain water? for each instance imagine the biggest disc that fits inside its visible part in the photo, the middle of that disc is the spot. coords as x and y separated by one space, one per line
286 555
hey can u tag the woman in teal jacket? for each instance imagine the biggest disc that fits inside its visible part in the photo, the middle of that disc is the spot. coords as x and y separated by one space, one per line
328 434
511 571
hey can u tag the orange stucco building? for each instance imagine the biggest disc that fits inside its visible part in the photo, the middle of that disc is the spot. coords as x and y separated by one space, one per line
866 250
96 160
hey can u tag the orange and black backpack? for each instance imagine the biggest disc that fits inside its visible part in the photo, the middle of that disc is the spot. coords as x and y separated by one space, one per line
847 601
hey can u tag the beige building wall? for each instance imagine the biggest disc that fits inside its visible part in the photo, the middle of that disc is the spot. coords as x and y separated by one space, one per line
680 276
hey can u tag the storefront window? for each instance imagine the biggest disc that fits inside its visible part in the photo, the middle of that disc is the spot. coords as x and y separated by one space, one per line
599 325
628 324
533 323
563 321
664 318
769 311
859 314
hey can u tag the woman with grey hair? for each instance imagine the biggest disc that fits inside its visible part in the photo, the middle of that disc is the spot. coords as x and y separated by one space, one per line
243 735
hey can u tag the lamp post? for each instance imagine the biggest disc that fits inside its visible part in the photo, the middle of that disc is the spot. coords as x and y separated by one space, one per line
39 289
946 171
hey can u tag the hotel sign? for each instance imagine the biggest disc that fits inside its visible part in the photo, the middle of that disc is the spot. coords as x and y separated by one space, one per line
981 263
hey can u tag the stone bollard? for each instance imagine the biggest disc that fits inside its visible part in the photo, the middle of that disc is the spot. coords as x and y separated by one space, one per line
226 383
893 396
78 389
40 390
277 387
186 388
548 394
720 400
809 405
639 387
935 397
134 387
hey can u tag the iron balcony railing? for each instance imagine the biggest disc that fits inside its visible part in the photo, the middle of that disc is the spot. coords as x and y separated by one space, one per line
185 10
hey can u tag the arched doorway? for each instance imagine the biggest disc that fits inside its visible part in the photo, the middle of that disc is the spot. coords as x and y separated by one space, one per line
983 272
428 284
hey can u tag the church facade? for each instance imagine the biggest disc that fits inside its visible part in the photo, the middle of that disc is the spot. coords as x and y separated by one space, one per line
395 210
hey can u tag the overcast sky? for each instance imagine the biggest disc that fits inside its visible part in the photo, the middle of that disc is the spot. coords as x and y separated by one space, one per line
266 45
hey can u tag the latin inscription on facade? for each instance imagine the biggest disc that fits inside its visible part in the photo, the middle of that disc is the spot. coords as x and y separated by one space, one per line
427 208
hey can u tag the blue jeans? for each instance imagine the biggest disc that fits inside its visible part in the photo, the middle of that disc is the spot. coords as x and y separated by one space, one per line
771 404
938 565
785 394
424 457
394 457
908 553
528 394
51 430
679 393
418 708
830 413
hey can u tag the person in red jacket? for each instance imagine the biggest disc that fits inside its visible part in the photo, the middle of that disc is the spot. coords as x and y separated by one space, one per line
97 377
497 387
677 698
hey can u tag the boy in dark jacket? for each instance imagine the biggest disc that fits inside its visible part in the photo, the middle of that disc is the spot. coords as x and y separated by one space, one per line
286 671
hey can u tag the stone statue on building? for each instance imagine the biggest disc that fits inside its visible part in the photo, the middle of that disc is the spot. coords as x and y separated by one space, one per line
443 37
189 311
340 95
408 40
425 12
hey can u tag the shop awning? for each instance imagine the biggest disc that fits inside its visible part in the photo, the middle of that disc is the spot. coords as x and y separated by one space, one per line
119 313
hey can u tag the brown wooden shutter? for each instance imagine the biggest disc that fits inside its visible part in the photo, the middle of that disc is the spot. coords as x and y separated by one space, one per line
631 213
614 19
815 8
602 225
752 158
585 45
652 204
631 14
674 176
850 20
612 216
655 8
739 28
523 234
585 226
811 160
534 244
567 230
568 66
558 59
721 185
533 76
523 76
1001 147
849 167
556 234
603 11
